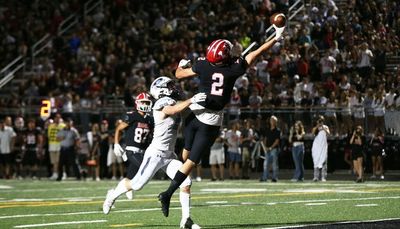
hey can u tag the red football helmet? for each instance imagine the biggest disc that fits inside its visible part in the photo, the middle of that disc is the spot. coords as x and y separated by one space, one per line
219 51
143 102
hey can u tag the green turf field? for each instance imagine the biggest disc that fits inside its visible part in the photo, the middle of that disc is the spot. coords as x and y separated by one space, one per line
228 204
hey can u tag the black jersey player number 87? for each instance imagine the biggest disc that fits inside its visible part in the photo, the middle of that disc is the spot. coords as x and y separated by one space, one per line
141 135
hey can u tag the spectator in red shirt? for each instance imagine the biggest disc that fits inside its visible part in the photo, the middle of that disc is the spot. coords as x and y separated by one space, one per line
330 85
274 68
302 67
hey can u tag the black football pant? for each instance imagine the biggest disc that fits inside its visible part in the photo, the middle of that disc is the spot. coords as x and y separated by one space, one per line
68 159
133 163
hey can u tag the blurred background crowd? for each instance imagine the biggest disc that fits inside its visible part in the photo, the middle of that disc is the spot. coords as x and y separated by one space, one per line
334 61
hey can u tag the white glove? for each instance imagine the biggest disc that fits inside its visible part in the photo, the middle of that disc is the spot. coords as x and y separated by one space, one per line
124 157
199 97
278 32
184 63
118 151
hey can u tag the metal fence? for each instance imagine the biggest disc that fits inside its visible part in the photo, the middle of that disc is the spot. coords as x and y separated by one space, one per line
114 108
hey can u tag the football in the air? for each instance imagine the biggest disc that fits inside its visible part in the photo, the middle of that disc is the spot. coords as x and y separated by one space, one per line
278 19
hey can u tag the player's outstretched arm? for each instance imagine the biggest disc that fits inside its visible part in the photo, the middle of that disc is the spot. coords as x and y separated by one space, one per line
184 70
252 56
179 107
182 73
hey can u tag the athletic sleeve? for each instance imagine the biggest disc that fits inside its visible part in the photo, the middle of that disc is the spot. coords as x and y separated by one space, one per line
163 102
126 118
241 65
199 64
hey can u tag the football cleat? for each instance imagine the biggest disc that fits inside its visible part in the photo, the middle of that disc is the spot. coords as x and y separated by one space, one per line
129 195
188 224
165 199
108 202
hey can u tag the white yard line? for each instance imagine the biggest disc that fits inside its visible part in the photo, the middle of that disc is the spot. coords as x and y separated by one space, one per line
217 202
81 198
230 190
5 187
82 213
211 205
336 223
315 204
335 200
366 205
59 223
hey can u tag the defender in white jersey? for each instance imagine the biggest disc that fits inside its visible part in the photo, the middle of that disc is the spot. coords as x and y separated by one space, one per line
160 153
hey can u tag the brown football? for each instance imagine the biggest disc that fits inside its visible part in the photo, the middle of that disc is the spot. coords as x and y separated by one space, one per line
278 19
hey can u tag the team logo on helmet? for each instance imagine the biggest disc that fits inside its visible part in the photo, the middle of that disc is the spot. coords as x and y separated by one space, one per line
162 86
143 102
219 51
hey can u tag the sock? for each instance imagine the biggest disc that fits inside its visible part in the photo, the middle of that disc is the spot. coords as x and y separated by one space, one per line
184 198
176 182
120 189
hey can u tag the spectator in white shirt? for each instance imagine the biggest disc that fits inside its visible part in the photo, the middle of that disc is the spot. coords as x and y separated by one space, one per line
262 72
255 101
357 108
365 61
328 65
7 139
234 105
344 84
390 98
378 106
233 138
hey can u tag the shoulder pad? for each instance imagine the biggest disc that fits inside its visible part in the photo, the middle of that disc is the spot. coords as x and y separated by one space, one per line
126 118
164 101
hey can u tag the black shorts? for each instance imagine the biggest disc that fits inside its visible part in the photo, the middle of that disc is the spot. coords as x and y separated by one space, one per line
6 159
199 137
376 151
134 161
30 158
357 152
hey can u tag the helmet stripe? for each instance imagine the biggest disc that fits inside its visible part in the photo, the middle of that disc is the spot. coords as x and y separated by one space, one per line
214 47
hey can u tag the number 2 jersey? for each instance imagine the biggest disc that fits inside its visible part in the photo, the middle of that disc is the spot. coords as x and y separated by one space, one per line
138 132
217 81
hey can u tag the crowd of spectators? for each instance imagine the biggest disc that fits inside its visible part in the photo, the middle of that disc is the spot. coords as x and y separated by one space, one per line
330 58
23 23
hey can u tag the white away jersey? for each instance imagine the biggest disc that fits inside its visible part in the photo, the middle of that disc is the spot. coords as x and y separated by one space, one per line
165 130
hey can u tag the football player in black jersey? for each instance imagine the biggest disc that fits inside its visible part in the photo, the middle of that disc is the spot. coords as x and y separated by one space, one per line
217 73
34 148
137 126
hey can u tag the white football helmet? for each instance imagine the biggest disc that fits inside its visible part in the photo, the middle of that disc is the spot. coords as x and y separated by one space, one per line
143 102
162 86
